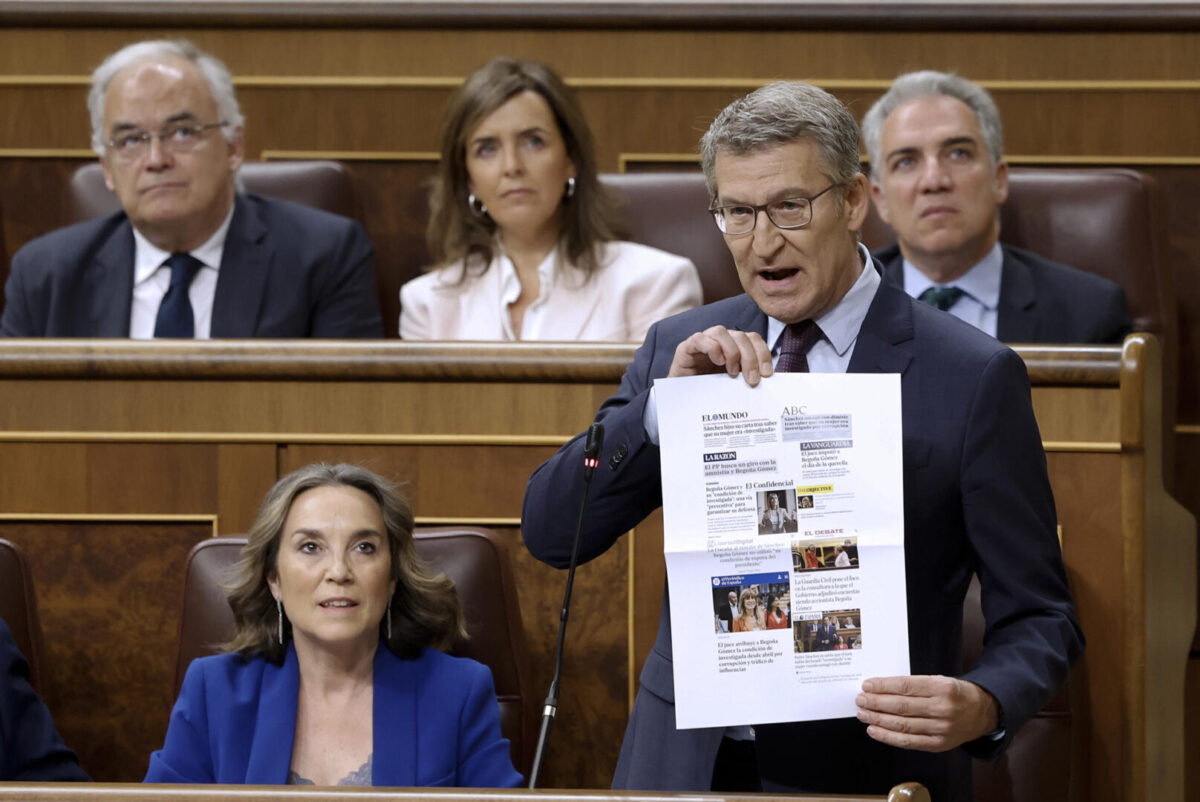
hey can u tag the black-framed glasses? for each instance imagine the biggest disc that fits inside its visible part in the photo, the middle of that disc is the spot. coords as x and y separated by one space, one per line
740 218
176 137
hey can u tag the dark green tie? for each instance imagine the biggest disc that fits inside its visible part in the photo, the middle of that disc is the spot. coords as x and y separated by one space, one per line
941 297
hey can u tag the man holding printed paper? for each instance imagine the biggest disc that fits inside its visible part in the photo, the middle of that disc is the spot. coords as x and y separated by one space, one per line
782 165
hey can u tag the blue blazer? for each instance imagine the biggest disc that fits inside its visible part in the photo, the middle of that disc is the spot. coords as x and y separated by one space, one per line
977 499
1042 301
286 271
436 722
30 749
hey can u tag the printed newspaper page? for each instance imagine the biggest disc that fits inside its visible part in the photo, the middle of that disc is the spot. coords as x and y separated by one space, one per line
784 537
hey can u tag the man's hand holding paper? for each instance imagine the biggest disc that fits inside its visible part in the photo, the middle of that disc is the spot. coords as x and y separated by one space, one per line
927 713
718 348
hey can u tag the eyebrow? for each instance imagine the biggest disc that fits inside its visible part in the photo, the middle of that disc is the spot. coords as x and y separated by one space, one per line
320 535
181 116
537 129
945 143
783 194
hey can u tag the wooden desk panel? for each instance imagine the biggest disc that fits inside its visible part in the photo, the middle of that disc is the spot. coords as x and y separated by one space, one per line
113 792
114 428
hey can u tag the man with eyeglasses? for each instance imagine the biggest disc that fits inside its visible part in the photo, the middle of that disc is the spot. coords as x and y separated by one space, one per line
782 165
188 255
938 177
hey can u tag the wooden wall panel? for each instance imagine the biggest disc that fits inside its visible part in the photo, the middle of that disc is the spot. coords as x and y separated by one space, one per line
764 53
1086 512
109 600
447 483
76 477
244 410
1192 733
245 473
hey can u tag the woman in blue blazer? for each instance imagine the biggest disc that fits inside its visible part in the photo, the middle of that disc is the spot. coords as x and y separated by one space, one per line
334 676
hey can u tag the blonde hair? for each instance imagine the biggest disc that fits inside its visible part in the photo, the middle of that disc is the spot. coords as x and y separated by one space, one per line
757 615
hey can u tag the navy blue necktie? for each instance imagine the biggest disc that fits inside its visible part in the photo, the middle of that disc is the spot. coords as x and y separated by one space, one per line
794 343
941 297
175 312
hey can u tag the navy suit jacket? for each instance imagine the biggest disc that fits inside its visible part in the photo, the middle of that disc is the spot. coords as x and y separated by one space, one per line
977 498
1045 302
287 271
436 722
30 749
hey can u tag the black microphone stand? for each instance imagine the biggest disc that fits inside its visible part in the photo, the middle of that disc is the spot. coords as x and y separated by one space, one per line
591 457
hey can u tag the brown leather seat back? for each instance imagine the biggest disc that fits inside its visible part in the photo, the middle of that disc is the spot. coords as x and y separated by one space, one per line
319 184
476 559
1037 764
18 607
1102 220
669 211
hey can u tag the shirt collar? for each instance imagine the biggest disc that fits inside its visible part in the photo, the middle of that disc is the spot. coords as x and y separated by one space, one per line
841 324
981 282
148 257
510 285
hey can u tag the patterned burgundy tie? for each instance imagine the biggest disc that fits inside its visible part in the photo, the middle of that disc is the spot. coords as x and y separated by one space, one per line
794 344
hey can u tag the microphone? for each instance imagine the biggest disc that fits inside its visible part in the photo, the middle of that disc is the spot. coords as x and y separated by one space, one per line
591 455
591 458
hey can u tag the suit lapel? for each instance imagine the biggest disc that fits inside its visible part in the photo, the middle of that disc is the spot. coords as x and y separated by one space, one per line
109 293
893 264
395 720
883 344
1016 321
751 318
270 756
243 274
570 317
886 344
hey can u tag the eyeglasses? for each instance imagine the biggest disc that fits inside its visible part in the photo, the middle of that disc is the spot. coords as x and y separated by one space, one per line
178 137
788 213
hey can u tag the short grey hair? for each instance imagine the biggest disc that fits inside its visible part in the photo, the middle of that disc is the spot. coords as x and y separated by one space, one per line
930 83
220 82
778 114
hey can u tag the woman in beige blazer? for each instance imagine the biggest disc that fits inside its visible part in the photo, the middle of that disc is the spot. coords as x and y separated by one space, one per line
525 240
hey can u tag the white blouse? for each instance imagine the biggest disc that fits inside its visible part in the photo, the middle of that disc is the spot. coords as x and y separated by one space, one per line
633 286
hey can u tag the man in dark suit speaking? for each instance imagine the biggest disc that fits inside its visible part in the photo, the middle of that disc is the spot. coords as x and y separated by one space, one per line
783 167
188 256
938 177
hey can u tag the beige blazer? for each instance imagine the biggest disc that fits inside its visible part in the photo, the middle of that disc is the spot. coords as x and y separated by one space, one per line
634 286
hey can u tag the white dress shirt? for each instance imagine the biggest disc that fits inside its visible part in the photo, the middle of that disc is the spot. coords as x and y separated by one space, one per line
979 304
152 278
830 354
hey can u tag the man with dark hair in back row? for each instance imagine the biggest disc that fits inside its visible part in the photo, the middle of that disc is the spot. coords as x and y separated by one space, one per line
938 177
782 165
188 256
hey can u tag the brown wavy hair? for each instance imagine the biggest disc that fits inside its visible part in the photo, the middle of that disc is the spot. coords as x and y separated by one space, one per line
426 611
455 232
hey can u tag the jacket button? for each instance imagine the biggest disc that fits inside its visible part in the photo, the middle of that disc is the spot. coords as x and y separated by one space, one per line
616 458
